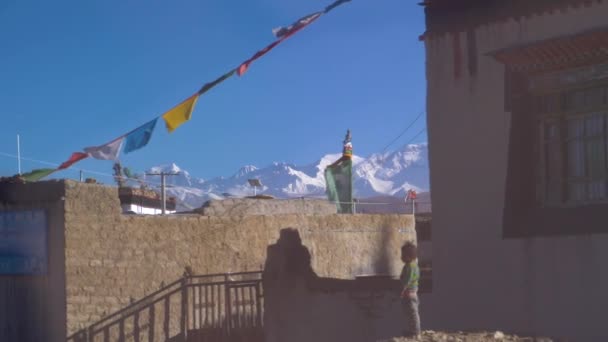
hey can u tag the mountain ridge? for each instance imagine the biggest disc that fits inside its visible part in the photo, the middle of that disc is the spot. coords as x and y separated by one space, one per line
381 174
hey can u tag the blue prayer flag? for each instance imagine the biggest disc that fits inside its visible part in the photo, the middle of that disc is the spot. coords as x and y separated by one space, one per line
139 137
335 4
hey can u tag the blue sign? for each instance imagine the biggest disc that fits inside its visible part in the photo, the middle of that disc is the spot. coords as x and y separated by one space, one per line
23 242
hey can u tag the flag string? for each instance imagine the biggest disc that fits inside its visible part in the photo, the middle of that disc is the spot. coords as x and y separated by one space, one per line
182 112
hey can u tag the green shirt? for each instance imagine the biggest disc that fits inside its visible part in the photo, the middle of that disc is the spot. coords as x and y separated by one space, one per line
410 274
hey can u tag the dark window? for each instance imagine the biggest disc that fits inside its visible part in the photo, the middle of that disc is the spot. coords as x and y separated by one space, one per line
573 142
423 227
425 285
557 177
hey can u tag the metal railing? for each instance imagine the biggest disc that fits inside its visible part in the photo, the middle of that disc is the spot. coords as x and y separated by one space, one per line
214 307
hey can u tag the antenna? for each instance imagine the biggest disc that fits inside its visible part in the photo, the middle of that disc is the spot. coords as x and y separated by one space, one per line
18 155
254 183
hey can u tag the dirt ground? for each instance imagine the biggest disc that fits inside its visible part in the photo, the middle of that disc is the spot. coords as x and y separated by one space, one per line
437 336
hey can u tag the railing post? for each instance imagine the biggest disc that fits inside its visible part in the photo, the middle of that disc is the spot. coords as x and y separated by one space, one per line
136 326
81 335
152 322
258 304
121 330
167 318
184 313
228 305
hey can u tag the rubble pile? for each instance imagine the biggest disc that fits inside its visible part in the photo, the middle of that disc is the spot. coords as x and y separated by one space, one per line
438 336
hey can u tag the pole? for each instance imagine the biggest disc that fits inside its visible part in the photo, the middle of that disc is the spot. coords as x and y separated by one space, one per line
163 188
18 154
81 174
163 194
413 207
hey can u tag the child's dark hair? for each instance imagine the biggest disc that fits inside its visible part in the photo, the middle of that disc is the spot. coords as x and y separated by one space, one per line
409 247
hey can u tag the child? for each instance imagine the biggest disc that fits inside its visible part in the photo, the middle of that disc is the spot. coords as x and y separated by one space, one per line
409 296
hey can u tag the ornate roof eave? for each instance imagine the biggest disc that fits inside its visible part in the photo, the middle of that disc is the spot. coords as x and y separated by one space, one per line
445 16
580 49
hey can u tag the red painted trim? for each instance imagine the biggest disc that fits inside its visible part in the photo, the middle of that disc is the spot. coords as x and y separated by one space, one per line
457 55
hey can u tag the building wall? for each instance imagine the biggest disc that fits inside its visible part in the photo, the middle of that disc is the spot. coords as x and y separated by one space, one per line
350 311
300 306
545 285
111 258
32 308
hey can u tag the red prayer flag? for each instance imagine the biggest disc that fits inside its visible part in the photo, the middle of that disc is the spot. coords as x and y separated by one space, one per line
279 32
245 65
74 158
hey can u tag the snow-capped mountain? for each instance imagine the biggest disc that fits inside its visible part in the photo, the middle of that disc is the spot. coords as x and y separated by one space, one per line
391 173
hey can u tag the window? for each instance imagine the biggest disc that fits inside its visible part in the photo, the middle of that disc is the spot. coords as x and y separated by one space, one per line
556 92
572 140
423 227
425 284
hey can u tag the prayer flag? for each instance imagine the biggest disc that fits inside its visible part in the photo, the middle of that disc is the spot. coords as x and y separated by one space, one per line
139 137
108 151
242 69
179 114
210 85
279 32
339 182
74 158
127 172
285 34
335 4
37 174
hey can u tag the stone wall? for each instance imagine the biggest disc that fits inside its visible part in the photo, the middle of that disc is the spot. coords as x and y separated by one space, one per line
112 258
347 310
300 306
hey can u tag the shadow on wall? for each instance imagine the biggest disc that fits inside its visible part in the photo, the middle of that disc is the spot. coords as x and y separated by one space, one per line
383 263
288 258
300 306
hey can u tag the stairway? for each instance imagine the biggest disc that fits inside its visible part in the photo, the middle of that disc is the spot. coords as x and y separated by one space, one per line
214 307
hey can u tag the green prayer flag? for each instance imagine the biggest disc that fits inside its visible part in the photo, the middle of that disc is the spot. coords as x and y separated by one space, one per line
339 181
127 172
37 174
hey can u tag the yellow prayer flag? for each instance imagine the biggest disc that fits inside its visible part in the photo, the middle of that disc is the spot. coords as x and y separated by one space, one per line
179 114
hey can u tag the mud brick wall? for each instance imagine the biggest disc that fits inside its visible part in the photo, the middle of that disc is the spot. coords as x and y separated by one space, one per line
361 310
111 258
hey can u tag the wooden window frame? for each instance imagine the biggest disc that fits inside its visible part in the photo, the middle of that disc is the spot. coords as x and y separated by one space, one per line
527 213
562 117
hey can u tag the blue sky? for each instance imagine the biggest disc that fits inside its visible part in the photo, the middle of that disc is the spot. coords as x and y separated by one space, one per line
77 73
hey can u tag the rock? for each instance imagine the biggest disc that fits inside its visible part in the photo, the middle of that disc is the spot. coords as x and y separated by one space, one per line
482 336
499 335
